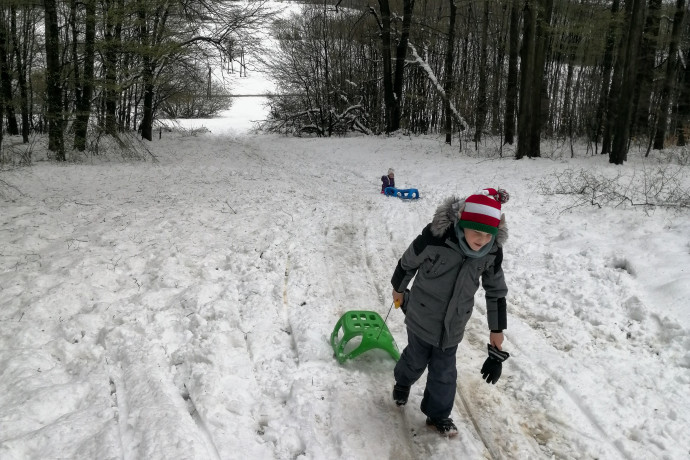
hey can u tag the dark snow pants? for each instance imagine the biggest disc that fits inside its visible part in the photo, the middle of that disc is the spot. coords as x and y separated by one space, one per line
439 393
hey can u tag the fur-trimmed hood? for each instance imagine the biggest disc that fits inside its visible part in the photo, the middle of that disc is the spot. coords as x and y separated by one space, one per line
448 214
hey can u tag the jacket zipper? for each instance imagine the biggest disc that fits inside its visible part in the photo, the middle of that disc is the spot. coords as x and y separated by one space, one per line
443 323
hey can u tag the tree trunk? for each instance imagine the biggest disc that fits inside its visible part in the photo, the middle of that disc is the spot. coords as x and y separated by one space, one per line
525 115
540 98
124 99
2 114
54 115
113 24
6 80
512 84
645 73
147 117
621 135
327 70
388 96
481 90
684 103
448 78
601 124
671 67
76 71
21 74
496 100
81 122
401 52
146 125
566 115
29 50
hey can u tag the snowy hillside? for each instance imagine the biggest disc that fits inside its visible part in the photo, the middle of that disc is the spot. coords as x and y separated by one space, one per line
182 309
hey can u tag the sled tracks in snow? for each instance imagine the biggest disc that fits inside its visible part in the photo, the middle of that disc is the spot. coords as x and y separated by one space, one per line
533 440
477 430
286 311
200 423
150 409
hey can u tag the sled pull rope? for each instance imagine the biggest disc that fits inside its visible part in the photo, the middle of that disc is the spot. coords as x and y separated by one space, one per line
397 305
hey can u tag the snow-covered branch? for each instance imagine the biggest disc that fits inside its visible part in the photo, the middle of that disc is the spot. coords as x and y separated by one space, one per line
430 73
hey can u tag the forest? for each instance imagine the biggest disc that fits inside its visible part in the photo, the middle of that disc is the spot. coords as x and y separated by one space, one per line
609 73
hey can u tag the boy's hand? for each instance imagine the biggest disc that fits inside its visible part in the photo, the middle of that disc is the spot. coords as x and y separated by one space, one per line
397 298
496 339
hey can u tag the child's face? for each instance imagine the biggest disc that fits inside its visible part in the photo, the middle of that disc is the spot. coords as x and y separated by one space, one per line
391 175
476 239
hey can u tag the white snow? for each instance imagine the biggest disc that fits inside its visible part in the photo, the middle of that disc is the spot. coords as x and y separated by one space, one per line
183 309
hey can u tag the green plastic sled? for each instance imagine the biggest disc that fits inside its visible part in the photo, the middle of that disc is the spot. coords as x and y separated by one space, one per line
368 325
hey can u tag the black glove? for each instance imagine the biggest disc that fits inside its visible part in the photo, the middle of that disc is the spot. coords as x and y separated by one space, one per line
491 370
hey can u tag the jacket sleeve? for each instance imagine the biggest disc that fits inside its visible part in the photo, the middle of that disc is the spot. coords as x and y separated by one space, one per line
494 284
410 261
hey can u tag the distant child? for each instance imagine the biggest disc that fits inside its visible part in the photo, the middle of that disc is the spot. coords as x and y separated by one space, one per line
388 181
463 243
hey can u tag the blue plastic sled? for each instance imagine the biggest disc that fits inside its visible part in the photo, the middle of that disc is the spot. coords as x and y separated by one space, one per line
405 194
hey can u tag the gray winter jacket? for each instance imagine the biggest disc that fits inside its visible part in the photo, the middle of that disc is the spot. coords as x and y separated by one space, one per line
441 299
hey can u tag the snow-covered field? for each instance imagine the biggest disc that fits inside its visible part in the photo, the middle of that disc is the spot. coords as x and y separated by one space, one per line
182 309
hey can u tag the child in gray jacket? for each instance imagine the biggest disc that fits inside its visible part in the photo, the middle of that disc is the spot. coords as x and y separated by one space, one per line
462 244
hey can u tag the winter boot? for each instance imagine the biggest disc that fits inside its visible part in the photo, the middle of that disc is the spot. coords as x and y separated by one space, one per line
445 426
400 394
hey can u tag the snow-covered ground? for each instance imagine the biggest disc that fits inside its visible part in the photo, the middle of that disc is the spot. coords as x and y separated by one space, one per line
182 309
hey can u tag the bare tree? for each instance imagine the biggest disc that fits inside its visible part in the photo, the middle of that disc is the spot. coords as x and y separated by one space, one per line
684 102
384 22
512 81
602 122
645 73
481 111
448 78
671 68
539 94
628 66
113 10
527 69
400 53
5 77
84 87
21 59
54 113
171 33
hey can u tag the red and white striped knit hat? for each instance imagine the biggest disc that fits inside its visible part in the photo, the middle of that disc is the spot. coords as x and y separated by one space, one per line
482 210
